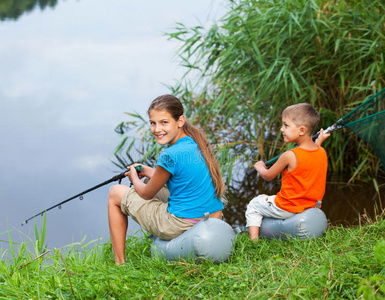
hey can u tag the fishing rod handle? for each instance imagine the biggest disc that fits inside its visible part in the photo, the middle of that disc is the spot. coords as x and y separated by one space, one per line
138 168
251 171
327 130
268 164
331 128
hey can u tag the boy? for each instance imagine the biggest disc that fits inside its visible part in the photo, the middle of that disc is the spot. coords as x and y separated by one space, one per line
303 170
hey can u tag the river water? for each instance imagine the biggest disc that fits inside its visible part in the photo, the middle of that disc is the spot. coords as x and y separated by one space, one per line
68 74
343 204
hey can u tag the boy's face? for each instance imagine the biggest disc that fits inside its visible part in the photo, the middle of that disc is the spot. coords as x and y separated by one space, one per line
290 131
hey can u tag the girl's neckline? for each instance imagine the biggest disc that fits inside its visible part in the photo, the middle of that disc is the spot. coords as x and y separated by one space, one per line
187 136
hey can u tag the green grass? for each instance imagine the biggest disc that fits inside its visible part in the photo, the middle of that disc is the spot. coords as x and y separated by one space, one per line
345 263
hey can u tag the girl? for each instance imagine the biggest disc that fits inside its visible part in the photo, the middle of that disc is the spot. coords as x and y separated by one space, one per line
187 167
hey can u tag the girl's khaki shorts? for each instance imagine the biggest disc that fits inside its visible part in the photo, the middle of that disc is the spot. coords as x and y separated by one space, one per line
152 214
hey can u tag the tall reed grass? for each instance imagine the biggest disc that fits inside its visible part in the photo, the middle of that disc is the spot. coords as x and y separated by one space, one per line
262 56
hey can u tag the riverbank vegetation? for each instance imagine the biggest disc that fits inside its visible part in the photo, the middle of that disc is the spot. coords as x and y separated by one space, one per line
345 263
13 9
265 55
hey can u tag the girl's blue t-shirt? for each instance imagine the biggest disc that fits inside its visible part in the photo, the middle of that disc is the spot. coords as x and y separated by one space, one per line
192 192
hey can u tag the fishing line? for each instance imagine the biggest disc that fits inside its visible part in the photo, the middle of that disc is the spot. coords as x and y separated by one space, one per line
118 177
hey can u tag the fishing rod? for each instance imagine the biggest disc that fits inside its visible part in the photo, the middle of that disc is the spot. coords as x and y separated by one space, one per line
80 196
360 120
334 127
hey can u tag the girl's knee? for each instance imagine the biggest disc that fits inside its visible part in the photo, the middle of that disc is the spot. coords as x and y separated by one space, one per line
116 194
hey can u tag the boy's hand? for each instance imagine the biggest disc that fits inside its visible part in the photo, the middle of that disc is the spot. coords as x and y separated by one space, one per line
321 137
260 165
282 163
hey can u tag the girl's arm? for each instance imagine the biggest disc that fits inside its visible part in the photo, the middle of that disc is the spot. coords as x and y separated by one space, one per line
149 190
286 160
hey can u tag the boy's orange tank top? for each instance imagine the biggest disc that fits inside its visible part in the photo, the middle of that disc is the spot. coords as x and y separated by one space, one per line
305 185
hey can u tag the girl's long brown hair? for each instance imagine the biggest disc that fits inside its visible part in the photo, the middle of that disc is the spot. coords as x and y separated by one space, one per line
174 107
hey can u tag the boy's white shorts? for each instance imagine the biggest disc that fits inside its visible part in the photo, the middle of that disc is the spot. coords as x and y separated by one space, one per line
264 206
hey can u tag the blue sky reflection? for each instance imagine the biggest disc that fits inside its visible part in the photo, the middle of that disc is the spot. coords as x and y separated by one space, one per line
67 76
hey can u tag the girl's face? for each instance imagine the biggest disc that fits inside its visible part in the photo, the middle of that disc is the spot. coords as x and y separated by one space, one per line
164 127
289 130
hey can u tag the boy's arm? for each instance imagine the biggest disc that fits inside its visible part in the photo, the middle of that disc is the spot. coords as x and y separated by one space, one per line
283 162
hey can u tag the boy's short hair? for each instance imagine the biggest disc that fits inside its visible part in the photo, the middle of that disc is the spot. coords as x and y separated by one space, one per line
302 114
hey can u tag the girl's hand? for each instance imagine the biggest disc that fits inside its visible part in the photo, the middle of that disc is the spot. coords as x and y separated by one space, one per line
146 172
149 190
133 174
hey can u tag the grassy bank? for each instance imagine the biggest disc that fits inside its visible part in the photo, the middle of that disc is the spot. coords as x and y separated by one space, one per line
346 263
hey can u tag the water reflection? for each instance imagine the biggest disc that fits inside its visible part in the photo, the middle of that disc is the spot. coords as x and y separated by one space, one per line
68 75
343 204
13 9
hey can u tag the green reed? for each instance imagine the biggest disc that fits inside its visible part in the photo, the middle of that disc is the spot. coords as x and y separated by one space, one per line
261 56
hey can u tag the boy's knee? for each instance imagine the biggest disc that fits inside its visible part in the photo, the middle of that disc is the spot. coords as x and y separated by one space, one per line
252 207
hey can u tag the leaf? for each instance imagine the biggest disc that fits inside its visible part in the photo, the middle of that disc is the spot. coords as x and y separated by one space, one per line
379 252
353 258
